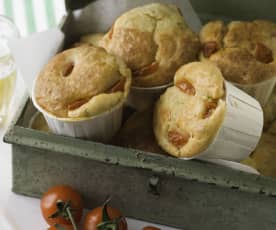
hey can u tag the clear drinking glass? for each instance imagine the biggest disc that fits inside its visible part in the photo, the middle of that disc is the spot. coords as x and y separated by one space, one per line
7 66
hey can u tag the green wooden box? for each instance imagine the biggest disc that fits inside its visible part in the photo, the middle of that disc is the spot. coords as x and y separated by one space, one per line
185 194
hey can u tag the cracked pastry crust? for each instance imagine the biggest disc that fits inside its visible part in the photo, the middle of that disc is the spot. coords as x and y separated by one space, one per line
154 41
188 115
82 82
244 51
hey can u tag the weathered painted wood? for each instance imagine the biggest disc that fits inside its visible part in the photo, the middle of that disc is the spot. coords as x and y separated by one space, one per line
143 193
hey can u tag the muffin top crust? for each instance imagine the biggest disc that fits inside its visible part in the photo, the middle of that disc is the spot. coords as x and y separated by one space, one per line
154 41
244 51
82 82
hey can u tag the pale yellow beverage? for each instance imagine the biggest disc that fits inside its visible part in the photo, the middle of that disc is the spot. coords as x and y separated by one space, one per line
7 67
7 84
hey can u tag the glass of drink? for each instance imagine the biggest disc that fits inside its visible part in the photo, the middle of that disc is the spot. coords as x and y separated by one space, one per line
7 66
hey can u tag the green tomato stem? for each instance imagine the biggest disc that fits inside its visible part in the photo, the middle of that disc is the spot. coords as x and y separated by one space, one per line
71 218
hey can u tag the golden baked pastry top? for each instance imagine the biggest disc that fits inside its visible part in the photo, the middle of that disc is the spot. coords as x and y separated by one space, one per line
244 51
92 39
188 115
154 41
82 82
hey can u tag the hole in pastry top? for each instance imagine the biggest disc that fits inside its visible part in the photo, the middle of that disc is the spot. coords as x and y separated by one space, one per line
68 69
178 139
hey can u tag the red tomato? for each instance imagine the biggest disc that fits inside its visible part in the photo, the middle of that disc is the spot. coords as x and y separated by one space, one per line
64 193
67 227
151 228
95 217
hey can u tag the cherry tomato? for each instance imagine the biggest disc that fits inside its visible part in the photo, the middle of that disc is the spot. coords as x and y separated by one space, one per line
151 228
62 195
95 217
67 227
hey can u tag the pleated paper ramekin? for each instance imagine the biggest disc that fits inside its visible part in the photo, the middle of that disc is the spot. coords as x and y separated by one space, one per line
241 130
101 127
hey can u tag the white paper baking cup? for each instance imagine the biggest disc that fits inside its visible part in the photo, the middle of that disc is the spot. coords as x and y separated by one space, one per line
232 165
260 91
141 98
241 130
101 127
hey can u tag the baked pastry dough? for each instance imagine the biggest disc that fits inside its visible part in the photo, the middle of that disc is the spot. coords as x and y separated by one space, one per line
263 158
244 51
89 40
38 122
188 115
92 39
82 82
137 133
154 41
270 109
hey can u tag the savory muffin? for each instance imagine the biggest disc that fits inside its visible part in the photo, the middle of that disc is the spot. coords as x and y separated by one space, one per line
188 115
244 51
154 41
92 39
82 82
137 133
263 158
270 109
38 122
